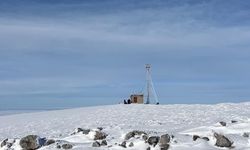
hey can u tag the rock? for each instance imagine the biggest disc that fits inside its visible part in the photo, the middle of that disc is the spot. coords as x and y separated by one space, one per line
30 142
4 142
100 128
104 143
123 144
133 134
148 148
100 135
205 138
222 141
49 141
195 137
96 144
234 121
145 137
246 134
78 130
131 144
67 146
153 140
223 123
42 141
58 146
165 139
165 147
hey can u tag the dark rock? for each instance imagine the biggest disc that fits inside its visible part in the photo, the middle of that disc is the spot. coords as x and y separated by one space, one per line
195 137
234 121
223 123
131 144
100 128
153 140
58 146
100 135
222 141
165 147
30 142
4 142
104 143
49 141
78 130
42 141
246 134
145 137
85 131
148 148
67 146
165 139
205 138
133 134
123 144
96 144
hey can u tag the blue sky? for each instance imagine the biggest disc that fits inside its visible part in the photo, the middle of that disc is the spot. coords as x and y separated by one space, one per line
70 53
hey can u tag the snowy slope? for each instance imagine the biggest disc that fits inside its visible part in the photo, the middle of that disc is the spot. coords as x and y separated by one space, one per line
182 121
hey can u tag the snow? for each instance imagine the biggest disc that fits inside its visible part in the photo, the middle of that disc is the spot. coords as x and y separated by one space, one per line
182 121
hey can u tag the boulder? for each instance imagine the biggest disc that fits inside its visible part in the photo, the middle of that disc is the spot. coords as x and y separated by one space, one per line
246 134
234 121
222 141
223 123
205 138
145 137
4 142
153 140
195 137
96 144
148 148
67 146
100 128
133 134
165 139
131 144
100 135
78 130
30 142
49 141
104 143
123 144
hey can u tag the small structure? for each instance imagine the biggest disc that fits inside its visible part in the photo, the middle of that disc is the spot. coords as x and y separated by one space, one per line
137 98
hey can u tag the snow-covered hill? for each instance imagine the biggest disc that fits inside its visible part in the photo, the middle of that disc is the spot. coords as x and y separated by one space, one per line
181 121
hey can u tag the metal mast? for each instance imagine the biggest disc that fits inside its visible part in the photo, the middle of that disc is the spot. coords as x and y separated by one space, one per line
150 91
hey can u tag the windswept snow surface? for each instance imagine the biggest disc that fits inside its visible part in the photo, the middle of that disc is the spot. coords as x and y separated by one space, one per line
182 121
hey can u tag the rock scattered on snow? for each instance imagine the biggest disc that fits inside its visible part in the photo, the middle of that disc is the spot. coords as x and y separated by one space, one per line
49 141
222 141
153 140
100 135
67 146
246 134
133 134
234 121
4 142
123 144
30 142
223 123
104 143
205 138
78 130
195 137
131 144
96 144
165 139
